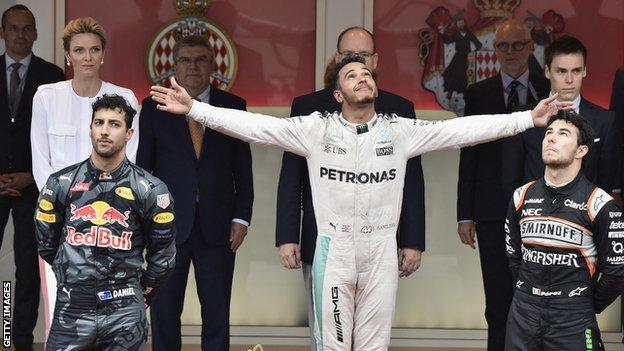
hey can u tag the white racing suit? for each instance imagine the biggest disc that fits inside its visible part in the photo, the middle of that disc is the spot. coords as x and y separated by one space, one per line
356 176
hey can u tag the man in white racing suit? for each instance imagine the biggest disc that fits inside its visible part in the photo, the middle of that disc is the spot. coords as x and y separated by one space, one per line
356 160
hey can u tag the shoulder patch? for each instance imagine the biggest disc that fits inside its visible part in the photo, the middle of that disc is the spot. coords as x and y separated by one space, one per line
597 200
520 193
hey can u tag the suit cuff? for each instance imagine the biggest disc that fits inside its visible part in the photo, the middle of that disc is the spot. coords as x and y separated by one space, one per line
243 222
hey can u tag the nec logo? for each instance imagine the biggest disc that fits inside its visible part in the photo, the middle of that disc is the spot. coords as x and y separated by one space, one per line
531 211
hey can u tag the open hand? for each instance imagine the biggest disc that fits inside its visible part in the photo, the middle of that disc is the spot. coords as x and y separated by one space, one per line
549 107
174 100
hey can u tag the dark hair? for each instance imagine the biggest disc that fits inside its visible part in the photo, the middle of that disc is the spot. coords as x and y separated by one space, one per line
345 61
565 44
350 29
16 8
585 130
116 103
192 40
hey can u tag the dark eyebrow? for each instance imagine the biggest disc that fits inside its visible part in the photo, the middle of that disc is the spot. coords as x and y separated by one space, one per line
349 71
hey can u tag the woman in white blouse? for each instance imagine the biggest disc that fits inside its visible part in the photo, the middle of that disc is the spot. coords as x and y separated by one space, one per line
61 117
61 112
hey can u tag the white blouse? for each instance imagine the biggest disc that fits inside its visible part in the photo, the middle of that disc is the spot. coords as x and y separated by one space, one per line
59 134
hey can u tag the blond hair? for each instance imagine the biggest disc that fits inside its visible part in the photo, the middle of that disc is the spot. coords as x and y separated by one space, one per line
82 25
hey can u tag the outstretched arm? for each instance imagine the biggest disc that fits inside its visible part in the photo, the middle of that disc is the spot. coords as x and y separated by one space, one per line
290 134
427 136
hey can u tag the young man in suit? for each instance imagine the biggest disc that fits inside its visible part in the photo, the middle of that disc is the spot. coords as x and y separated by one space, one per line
21 72
566 66
210 177
480 200
294 185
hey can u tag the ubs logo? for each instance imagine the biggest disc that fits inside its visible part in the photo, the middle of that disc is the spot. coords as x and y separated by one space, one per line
333 149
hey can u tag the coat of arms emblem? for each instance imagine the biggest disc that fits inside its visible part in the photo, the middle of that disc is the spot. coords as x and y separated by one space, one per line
159 60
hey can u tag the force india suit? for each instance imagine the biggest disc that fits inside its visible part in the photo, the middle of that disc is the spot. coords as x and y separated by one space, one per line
558 241
92 228
356 176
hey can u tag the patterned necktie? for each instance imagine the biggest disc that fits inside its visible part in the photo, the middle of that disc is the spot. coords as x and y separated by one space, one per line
14 90
196 130
512 98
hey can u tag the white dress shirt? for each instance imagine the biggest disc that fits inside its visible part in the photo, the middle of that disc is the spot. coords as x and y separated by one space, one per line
59 134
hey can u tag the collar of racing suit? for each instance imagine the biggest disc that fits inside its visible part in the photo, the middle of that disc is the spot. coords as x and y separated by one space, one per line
101 175
561 192
359 128
565 189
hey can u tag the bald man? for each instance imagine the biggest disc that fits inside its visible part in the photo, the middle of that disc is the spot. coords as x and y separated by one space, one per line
481 202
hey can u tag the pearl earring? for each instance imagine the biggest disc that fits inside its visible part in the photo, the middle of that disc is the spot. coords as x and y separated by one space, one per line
68 63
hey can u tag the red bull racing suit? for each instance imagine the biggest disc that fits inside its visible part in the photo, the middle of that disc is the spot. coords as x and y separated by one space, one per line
92 228
566 250
356 177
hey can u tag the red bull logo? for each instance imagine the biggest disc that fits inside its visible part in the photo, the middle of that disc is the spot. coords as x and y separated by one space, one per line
100 213
100 237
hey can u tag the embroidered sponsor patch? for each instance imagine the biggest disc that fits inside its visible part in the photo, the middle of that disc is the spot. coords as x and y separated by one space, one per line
164 217
46 205
384 151
124 192
45 217
163 201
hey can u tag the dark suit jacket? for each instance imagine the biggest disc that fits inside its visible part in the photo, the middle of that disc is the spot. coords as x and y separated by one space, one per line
480 195
221 179
294 185
617 106
15 151
522 161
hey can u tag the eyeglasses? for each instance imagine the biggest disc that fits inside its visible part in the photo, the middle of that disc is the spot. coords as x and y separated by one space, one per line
364 54
200 60
515 46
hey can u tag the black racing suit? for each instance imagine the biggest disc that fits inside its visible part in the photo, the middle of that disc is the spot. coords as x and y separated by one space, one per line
566 252
93 227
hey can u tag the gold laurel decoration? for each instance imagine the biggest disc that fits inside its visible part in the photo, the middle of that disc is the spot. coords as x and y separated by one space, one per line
191 8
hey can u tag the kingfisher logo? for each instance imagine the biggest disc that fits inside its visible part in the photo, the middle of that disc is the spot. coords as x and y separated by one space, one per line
100 237
358 178
99 213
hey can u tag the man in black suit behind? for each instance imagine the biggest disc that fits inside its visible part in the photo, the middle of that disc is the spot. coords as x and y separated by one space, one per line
481 205
210 177
565 66
294 186
617 106
21 72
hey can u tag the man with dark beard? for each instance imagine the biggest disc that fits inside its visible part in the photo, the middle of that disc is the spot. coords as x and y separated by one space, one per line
94 221
565 245
356 161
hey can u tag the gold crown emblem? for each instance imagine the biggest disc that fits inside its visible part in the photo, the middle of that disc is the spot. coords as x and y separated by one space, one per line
191 8
496 8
